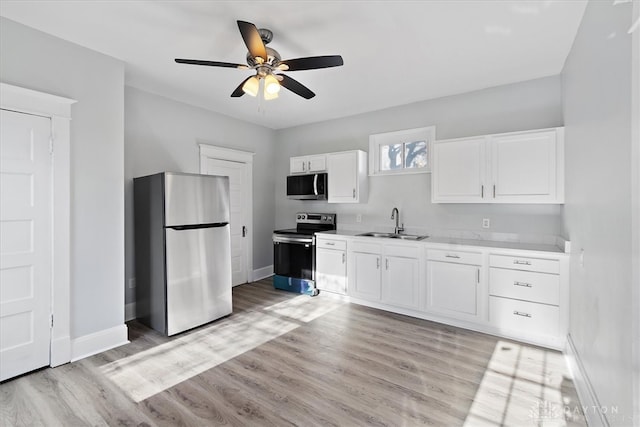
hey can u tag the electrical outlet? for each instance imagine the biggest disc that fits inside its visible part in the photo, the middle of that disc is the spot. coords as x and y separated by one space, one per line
132 283
359 218
486 223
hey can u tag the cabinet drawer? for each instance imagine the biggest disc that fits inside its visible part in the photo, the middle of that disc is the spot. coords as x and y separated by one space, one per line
524 317
331 244
459 257
525 285
525 263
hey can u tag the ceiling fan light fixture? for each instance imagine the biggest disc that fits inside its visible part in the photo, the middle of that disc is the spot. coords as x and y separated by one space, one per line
271 85
269 96
251 86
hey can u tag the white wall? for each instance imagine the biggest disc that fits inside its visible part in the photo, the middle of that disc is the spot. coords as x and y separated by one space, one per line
38 61
163 135
528 105
597 214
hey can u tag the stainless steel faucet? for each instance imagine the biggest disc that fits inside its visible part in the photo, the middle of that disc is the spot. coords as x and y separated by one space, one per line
395 214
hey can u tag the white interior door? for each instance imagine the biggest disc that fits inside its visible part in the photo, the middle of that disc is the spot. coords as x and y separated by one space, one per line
238 188
25 243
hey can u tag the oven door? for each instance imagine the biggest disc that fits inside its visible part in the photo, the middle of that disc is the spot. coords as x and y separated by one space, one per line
294 256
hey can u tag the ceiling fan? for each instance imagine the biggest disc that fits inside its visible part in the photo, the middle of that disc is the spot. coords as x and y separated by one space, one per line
266 62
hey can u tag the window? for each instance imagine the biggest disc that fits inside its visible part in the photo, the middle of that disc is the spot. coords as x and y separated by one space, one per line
401 152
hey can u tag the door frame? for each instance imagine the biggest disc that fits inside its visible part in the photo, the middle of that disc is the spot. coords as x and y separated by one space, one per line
210 151
58 110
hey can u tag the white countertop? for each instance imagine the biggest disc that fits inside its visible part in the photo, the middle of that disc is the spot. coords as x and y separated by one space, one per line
539 247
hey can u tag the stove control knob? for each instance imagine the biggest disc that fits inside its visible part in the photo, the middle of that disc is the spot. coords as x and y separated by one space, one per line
299 216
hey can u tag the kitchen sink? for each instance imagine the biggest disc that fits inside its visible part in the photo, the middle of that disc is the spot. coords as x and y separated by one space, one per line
372 234
394 236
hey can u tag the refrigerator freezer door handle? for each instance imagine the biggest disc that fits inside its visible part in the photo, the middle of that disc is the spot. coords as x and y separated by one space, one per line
197 226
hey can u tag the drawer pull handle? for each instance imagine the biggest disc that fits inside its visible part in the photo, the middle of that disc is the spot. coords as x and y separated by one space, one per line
519 313
519 262
330 244
524 285
452 256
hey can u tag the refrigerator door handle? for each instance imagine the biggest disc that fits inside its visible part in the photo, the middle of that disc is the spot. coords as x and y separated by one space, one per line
197 226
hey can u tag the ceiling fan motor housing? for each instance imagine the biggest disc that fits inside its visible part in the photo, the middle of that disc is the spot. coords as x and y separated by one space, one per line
273 58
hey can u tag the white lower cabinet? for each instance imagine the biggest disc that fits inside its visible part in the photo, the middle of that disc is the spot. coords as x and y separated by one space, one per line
453 283
365 279
401 277
389 274
528 297
514 293
331 265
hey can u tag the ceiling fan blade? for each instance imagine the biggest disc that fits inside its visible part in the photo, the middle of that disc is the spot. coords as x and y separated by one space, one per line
312 62
238 92
296 87
209 63
252 39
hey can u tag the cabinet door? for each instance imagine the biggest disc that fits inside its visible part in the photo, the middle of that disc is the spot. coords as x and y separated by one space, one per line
452 289
331 270
524 167
298 165
458 171
317 163
343 177
366 276
401 282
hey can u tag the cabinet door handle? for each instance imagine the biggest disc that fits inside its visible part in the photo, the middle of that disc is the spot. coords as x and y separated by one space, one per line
387 263
304 167
452 256
344 258
482 191
478 275
519 313
244 231
521 262
309 164
494 191
354 193
377 263
523 284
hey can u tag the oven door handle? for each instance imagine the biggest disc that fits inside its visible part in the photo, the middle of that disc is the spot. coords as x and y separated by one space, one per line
293 240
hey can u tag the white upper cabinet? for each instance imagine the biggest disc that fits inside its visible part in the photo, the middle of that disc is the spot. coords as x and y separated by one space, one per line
525 167
517 167
458 170
347 175
308 164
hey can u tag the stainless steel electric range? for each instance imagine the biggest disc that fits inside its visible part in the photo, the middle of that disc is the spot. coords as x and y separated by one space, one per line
294 252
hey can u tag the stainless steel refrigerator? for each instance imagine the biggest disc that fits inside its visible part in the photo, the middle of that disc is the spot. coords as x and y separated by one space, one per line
182 250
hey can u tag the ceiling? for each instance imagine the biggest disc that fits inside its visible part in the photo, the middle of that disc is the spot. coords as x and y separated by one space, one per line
395 52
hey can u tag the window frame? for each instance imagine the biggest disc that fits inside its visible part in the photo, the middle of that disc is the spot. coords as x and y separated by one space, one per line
378 140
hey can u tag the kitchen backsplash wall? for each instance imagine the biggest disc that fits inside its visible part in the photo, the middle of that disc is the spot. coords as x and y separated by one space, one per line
528 105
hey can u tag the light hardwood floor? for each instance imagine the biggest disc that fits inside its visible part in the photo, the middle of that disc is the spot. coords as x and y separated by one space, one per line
285 359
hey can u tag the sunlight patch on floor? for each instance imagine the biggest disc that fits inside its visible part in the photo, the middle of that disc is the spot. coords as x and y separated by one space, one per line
151 371
534 375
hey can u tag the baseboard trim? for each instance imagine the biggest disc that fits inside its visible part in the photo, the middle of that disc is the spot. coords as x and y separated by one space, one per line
97 342
129 311
586 393
262 273
60 351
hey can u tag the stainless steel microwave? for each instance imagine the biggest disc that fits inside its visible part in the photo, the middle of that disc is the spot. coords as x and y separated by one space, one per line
307 187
